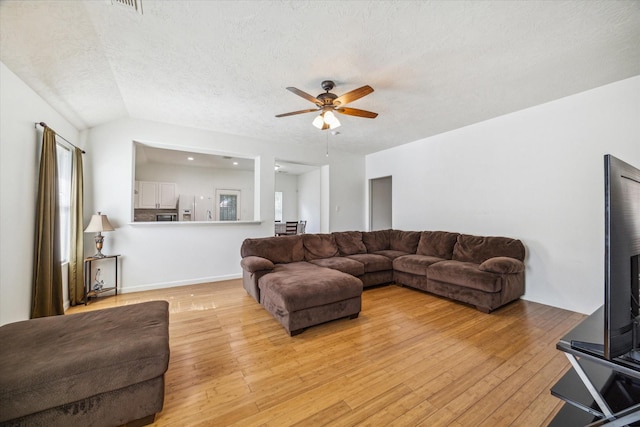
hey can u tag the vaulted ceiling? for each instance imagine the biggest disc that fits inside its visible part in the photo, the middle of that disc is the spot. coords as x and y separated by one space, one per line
224 65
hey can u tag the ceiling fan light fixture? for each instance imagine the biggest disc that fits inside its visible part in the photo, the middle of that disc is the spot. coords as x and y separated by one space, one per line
318 122
326 120
331 120
329 102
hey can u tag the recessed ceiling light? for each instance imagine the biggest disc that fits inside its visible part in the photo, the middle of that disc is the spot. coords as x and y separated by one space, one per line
235 163
276 167
190 158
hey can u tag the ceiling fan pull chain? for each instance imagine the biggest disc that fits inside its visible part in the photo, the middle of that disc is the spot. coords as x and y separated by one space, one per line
327 154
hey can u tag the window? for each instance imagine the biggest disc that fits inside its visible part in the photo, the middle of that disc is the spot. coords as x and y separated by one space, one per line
279 206
227 205
64 162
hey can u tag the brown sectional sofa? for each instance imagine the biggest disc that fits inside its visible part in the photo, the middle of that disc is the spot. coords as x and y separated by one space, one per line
487 272
304 280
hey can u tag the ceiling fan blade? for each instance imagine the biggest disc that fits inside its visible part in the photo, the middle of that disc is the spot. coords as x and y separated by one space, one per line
293 113
356 112
305 95
353 95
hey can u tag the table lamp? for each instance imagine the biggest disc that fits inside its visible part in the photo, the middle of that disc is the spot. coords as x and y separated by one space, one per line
98 223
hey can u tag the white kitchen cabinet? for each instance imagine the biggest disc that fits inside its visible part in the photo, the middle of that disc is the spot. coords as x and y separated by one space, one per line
167 195
157 195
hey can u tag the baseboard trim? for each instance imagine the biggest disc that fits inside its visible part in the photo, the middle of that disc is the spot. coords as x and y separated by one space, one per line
174 284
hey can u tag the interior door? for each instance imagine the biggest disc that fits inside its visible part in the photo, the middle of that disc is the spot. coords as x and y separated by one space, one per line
227 205
380 206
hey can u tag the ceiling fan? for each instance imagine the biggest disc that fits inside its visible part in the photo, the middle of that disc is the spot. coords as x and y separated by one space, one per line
329 102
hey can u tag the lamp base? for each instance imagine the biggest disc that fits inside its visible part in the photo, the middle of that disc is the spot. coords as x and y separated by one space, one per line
99 241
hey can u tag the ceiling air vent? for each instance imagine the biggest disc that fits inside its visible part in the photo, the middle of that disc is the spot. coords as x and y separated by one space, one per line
133 5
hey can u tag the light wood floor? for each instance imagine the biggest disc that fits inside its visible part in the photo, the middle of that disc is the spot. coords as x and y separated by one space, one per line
410 359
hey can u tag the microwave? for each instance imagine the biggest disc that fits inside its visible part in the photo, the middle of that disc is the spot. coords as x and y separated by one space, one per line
167 217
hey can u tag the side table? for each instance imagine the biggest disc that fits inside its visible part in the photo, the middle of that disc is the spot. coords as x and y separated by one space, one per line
88 290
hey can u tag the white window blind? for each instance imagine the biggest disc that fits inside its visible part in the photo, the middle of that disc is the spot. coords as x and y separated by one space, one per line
64 191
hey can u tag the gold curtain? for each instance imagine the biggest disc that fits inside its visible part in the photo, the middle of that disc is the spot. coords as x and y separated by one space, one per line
47 275
76 250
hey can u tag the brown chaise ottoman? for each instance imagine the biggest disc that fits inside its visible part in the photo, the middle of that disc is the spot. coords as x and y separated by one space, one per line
300 294
98 368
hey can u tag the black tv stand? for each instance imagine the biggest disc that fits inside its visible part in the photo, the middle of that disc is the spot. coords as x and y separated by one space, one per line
596 391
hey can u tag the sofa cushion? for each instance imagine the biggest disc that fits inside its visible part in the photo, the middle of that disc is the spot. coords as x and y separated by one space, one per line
280 249
350 242
376 240
502 265
478 249
52 361
300 285
373 262
466 274
346 265
414 264
319 246
255 263
405 241
437 243
391 254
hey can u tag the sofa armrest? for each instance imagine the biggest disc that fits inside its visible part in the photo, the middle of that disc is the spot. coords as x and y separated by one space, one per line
256 263
502 265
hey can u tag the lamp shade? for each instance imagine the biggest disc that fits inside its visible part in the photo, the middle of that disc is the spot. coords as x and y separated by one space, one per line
98 223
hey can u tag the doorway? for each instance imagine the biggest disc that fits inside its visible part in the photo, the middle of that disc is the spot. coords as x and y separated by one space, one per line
380 206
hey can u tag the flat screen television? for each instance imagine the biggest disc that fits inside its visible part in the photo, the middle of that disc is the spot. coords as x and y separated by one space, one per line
621 308
622 251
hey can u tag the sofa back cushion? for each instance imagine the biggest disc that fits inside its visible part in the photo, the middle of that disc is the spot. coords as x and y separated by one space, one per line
279 250
478 249
405 241
349 242
376 240
318 246
437 244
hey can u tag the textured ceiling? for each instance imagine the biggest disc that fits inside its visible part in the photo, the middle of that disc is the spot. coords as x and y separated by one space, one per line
224 66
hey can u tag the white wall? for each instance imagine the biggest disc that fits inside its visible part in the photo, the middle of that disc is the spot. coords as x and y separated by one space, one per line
535 175
288 185
168 254
309 200
347 193
20 144
325 199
